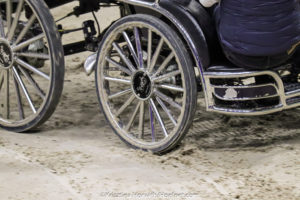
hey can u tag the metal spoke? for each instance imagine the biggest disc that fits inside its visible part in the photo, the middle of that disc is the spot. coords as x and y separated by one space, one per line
13 27
1 79
25 29
171 87
131 48
138 47
120 67
167 99
167 111
6 104
124 57
8 13
156 55
125 105
34 55
31 68
141 119
19 99
164 64
166 76
33 83
119 94
28 42
118 80
129 125
149 48
21 84
152 123
2 32
158 117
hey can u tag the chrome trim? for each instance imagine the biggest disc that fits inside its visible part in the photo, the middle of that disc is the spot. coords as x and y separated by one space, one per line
292 94
244 99
253 112
243 86
90 63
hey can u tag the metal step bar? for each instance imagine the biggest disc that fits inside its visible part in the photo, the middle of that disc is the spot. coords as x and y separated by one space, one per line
227 96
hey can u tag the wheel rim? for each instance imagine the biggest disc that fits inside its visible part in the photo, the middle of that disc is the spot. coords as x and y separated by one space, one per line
25 83
141 85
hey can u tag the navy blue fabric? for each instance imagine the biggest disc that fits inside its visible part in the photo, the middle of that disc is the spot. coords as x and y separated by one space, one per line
259 27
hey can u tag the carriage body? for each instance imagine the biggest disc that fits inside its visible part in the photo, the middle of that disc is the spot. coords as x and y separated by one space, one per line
228 89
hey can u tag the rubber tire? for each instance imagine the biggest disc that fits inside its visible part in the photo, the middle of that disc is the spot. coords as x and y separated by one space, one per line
58 67
188 70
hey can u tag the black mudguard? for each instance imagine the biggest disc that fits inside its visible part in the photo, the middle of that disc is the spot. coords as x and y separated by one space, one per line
197 23
56 3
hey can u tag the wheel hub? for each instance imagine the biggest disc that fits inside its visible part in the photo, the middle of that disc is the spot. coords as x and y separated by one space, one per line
6 55
142 85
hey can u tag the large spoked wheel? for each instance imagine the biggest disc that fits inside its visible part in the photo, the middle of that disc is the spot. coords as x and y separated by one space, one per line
145 83
31 64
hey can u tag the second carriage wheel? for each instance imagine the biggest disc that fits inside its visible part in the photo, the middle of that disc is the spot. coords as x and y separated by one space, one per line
146 83
31 64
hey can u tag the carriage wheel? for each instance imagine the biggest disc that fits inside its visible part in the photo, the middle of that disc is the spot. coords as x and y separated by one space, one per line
145 83
31 64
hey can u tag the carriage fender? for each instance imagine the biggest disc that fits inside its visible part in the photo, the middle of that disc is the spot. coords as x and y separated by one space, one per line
195 24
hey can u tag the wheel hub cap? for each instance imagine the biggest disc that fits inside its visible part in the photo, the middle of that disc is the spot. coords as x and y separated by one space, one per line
142 85
6 55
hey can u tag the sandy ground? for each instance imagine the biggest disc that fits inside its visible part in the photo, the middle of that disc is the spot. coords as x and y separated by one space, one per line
76 155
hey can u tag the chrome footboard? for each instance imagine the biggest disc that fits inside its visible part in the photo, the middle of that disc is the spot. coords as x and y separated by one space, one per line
249 92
